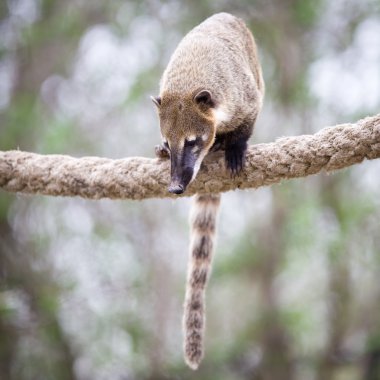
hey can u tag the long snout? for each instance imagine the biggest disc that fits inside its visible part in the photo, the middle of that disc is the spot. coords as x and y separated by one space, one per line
180 179
176 188
181 171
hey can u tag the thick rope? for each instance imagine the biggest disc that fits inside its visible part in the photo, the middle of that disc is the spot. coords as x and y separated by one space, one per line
330 149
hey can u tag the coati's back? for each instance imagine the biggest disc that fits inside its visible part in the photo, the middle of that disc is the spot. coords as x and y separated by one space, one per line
219 55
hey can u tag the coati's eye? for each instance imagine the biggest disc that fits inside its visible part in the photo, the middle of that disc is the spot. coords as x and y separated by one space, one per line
190 143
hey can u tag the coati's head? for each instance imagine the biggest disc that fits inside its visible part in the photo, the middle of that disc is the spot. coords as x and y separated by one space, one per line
188 132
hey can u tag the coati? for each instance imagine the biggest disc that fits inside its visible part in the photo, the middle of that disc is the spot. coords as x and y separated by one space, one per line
210 95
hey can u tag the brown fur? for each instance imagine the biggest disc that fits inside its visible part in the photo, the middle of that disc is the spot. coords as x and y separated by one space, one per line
203 220
210 94
219 55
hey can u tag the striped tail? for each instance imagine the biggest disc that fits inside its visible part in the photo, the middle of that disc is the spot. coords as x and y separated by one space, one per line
203 220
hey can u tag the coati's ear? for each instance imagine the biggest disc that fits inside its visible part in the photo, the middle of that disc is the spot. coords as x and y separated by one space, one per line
205 97
156 100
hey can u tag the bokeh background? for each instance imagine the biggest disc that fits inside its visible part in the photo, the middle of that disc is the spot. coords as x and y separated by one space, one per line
93 290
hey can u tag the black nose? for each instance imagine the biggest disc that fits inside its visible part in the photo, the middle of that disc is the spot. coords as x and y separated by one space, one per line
176 189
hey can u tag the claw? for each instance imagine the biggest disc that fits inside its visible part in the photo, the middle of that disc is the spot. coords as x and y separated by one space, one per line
161 152
234 156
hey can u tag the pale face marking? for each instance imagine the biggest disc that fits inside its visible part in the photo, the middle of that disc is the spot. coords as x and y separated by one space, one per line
220 116
198 165
195 149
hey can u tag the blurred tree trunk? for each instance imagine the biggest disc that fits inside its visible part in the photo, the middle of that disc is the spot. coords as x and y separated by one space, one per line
277 360
18 275
8 334
371 358
339 301
37 56
339 288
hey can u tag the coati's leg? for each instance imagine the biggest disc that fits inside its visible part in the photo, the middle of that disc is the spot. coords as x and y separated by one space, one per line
236 146
161 151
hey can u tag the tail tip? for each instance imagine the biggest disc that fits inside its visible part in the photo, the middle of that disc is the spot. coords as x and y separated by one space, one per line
192 363
193 354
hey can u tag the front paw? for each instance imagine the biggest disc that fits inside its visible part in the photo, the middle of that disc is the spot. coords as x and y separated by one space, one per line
235 157
161 152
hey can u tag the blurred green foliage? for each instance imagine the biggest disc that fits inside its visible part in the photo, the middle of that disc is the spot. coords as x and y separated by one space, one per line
94 289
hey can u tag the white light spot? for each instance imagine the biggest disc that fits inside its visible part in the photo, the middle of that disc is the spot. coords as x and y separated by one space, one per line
191 138
220 116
